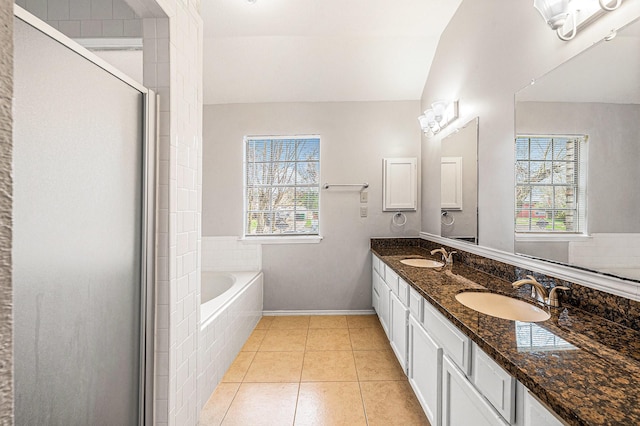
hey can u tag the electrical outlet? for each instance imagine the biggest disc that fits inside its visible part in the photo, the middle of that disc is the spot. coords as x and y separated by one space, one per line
364 197
364 211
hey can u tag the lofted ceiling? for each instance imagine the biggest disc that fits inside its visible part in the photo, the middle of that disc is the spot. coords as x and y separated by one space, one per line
320 50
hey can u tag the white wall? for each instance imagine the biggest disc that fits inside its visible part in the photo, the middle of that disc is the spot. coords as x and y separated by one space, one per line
334 274
490 50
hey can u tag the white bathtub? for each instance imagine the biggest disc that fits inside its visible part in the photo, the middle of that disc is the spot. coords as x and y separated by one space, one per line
218 288
231 306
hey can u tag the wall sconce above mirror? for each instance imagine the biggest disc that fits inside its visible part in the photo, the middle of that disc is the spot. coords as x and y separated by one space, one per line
441 114
566 17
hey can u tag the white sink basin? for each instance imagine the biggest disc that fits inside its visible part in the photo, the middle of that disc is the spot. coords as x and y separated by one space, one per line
422 263
501 306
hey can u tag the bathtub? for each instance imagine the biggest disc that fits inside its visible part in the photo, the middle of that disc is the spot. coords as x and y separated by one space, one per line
230 308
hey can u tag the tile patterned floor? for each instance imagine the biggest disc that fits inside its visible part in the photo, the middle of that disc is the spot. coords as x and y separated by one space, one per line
315 370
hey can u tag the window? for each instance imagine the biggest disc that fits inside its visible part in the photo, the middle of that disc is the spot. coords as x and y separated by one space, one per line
550 184
282 186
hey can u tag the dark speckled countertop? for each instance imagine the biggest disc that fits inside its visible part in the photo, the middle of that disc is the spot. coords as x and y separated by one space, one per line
586 368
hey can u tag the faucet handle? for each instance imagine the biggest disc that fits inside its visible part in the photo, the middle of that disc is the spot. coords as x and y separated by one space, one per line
450 257
553 297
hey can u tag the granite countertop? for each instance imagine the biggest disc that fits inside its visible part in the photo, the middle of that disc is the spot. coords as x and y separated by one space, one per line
586 368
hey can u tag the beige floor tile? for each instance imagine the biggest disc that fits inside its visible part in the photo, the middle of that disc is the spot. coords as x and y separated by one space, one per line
290 322
328 339
253 342
363 321
264 323
391 403
329 366
217 406
366 339
377 365
275 367
328 321
330 403
239 367
258 404
284 340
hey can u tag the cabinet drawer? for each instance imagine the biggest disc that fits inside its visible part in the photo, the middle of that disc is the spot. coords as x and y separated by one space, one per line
378 265
403 291
495 384
453 341
391 278
415 304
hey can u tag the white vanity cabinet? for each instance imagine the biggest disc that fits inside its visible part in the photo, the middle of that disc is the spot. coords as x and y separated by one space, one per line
456 383
398 323
495 384
532 412
425 369
462 404
380 292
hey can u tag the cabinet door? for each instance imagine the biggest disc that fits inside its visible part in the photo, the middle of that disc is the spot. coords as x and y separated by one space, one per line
425 370
537 414
383 305
375 290
398 319
462 404
400 184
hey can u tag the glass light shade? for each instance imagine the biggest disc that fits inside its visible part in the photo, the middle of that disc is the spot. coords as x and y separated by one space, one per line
431 118
439 107
424 123
554 12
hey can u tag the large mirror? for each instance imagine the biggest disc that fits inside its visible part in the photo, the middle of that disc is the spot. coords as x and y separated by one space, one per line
578 160
459 184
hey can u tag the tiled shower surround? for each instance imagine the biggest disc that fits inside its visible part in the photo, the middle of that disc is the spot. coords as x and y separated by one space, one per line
620 310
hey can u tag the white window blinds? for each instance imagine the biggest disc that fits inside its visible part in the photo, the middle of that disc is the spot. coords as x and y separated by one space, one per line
282 186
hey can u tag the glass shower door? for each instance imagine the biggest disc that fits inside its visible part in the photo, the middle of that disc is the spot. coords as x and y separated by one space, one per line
78 227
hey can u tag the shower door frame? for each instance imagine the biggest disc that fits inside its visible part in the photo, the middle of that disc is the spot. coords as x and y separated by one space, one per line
149 209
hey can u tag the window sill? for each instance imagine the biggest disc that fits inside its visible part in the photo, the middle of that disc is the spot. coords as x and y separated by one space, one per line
302 239
540 237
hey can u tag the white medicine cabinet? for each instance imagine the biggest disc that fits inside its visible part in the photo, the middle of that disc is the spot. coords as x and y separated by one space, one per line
400 184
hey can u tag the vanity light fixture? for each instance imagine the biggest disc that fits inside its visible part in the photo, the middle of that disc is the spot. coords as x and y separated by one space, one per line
438 117
557 13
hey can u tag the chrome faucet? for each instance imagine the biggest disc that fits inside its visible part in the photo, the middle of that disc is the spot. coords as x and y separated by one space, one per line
446 257
539 292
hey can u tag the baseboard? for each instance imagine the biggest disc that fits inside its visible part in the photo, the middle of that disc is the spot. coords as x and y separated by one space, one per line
315 312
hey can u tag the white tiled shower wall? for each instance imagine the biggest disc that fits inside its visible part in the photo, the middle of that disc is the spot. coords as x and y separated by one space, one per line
87 18
222 337
178 80
230 254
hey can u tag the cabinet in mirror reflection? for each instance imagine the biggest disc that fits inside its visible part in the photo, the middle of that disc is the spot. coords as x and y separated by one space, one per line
585 217
459 184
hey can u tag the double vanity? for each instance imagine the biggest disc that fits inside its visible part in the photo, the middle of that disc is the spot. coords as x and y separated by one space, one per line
544 366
